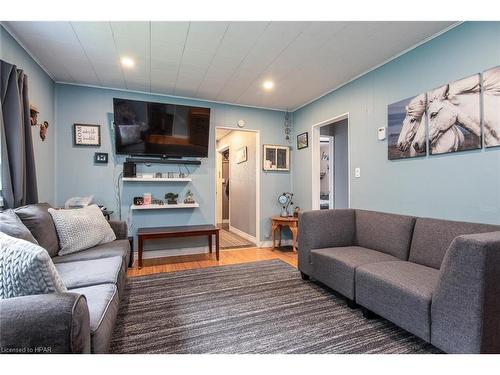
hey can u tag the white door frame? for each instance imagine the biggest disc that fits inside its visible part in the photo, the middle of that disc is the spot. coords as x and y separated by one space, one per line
218 187
257 176
331 171
315 160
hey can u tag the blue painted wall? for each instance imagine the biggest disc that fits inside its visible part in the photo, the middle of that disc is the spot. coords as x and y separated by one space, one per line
77 175
462 186
41 93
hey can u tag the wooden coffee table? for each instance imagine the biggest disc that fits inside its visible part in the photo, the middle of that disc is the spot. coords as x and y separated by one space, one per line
290 222
181 231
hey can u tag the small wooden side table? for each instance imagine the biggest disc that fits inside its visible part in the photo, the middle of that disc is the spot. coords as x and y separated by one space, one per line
290 222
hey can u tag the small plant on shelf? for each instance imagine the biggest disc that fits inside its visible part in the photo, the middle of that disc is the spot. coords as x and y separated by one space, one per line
171 198
189 197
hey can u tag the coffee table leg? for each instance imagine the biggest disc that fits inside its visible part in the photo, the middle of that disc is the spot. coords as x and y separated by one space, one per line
217 245
210 243
140 251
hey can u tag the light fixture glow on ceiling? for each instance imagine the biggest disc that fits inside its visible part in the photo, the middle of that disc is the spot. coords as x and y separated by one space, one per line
268 85
127 62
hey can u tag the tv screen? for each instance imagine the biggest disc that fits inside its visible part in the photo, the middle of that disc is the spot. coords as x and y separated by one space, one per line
159 129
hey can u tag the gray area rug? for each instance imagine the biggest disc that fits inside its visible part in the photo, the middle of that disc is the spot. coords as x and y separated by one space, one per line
260 307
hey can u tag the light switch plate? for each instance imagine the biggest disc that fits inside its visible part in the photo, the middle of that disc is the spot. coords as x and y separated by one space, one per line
357 172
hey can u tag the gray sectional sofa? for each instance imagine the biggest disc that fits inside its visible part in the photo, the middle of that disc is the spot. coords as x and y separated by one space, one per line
82 320
437 279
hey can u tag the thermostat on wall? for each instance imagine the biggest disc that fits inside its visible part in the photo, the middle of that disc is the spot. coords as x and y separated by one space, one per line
381 133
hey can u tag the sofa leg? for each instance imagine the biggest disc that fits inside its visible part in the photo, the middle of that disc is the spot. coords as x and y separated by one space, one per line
368 314
304 276
351 304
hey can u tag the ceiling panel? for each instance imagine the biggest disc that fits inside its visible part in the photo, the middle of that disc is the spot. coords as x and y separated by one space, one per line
220 61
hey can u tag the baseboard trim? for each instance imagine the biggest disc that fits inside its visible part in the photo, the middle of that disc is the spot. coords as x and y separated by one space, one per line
270 243
240 233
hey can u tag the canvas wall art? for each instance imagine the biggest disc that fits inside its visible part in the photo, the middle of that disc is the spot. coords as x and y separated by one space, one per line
491 105
454 116
406 120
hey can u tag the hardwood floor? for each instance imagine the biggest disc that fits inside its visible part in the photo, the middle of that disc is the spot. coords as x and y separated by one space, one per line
187 262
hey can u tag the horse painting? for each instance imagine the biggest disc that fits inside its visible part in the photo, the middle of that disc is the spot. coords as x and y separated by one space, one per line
491 102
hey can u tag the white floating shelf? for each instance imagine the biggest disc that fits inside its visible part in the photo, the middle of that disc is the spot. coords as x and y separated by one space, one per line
156 179
163 206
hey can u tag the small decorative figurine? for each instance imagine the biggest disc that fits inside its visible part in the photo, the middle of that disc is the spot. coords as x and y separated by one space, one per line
158 175
43 130
189 197
296 211
171 198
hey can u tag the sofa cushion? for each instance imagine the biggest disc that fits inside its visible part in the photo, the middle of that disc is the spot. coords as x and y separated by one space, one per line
81 228
11 225
110 249
91 272
336 266
388 233
38 220
103 303
26 269
400 292
432 237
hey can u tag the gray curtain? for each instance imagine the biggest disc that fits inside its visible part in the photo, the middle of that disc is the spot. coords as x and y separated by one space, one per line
18 162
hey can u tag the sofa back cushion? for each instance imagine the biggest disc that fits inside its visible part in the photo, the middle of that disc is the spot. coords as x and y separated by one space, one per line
387 233
13 226
38 220
432 237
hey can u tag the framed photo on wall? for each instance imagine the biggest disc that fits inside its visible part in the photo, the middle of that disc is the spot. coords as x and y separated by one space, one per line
241 155
276 158
302 141
86 135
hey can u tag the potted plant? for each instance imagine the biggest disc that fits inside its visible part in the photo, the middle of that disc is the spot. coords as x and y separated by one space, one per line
171 198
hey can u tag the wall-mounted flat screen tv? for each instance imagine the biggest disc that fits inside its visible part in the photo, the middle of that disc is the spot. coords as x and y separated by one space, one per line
160 129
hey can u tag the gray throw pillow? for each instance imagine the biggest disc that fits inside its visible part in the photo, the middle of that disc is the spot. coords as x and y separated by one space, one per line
13 226
26 269
40 224
81 228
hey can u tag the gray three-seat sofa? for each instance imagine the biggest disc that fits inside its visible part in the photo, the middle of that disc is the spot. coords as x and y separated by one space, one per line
437 279
81 320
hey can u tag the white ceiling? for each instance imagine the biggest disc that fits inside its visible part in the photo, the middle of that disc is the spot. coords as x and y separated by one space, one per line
220 61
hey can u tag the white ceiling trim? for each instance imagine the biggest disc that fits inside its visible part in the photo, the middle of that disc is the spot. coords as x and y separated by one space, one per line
379 65
35 59
170 96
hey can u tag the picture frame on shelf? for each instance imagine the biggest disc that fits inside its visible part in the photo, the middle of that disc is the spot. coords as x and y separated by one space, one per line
86 135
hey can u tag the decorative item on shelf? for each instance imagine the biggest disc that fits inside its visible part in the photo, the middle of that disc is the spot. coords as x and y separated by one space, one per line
296 211
171 198
302 141
159 202
276 158
158 175
241 155
182 175
285 200
87 135
170 175
147 198
189 197
138 201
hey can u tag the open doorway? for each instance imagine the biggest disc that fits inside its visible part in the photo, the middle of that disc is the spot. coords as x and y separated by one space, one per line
330 148
237 187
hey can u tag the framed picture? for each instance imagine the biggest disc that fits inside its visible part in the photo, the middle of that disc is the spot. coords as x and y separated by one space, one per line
241 155
276 158
302 141
406 128
86 135
491 103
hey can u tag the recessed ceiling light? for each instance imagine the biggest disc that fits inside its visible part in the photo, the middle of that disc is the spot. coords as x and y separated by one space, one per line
127 62
268 85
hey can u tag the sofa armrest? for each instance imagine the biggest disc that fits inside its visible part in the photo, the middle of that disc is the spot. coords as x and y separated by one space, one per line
45 323
465 310
324 228
120 228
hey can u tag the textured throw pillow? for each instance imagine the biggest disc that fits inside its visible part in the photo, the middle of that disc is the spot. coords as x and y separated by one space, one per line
81 228
26 269
13 226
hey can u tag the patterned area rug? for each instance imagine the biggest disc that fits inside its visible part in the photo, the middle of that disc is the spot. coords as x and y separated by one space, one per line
229 240
261 307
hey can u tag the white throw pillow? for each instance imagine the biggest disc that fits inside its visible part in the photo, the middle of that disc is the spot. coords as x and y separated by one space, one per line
81 228
26 269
